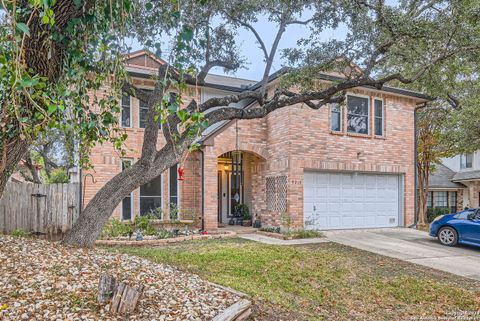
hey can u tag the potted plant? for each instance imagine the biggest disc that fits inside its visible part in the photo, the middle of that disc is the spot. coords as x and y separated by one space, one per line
245 214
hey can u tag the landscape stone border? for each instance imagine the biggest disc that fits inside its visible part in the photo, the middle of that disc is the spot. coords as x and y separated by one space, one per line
160 242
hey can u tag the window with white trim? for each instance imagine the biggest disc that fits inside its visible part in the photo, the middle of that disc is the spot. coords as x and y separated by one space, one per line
126 111
357 114
335 117
466 161
151 196
127 201
378 114
173 186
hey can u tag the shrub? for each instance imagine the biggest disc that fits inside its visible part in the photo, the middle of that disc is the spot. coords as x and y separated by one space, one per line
156 213
173 214
432 213
270 229
58 176
164 234
145 224
116 228
286 220
19 233
244 211
304 234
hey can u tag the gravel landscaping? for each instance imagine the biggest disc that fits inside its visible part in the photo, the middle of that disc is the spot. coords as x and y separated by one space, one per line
41 280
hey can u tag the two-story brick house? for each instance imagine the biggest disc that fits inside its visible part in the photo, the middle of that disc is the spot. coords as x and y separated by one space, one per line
343 166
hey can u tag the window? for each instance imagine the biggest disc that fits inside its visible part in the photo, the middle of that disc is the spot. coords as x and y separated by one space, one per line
453 201
142 114
151 195
127 201
466 161
126 111
335 117
378 117
357 115
173 186
441 199
429 199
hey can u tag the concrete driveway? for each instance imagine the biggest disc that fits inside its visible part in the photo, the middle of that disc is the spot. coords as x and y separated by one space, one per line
412 246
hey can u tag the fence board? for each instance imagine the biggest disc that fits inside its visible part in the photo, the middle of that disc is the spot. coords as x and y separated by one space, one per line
39 208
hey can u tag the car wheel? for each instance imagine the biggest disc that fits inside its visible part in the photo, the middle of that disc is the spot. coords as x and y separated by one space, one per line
448 236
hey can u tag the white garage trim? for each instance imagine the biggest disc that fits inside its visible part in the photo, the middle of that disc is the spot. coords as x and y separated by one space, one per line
346 200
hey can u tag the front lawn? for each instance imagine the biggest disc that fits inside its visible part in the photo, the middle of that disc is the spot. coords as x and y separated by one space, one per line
323 281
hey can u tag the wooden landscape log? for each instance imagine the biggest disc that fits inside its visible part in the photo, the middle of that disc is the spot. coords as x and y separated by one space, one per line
125 298
106 287
236 312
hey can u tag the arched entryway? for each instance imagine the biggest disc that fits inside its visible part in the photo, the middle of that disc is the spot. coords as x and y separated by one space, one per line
240 177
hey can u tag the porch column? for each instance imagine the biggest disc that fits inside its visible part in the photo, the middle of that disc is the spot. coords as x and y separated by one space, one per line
210 181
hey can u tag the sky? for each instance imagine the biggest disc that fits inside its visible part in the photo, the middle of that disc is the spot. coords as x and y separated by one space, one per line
253 54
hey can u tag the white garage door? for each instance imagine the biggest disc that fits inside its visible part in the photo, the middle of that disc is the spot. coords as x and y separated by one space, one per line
350 200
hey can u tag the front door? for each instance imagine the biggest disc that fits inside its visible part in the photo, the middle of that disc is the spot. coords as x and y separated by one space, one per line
230 195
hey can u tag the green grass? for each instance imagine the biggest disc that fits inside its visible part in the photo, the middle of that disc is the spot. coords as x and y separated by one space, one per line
321 282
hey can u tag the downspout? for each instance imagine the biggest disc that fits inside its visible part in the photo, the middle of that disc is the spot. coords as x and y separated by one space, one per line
415 217
203 188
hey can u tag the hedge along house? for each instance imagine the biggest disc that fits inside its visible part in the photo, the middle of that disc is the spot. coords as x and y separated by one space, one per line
343 166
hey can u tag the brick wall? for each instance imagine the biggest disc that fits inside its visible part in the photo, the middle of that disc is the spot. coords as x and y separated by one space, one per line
294 139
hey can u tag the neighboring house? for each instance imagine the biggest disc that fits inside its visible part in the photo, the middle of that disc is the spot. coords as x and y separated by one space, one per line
460 177
343 166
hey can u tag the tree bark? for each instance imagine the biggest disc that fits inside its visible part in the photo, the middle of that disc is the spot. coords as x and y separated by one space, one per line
18 148
89 225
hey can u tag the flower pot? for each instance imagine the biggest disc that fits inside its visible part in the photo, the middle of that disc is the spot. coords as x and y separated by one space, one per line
257 224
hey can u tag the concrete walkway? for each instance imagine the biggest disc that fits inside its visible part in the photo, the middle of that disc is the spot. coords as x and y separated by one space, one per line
412 246
273 241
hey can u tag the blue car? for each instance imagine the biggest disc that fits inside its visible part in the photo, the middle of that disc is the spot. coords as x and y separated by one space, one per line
462 227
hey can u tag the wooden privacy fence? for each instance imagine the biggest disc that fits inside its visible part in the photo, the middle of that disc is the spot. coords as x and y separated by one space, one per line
49 209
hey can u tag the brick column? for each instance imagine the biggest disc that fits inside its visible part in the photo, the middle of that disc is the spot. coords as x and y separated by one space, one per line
210 189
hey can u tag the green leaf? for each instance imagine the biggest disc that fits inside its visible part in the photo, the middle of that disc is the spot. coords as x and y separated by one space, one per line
187 34
23 28
52 109
45 20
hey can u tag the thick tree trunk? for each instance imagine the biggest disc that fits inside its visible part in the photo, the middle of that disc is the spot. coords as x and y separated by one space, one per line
91 221
15 152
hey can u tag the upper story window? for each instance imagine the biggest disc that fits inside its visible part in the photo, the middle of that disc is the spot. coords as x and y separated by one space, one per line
126 111
466 161
336 117
142 114
378 112
357 114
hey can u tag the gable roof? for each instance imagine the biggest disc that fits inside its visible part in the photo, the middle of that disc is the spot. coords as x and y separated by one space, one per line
442 178
466 176
144 64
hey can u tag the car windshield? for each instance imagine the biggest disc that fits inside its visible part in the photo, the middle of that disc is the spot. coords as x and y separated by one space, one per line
464 214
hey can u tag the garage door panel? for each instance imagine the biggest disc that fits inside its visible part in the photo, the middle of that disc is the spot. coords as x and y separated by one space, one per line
348 200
